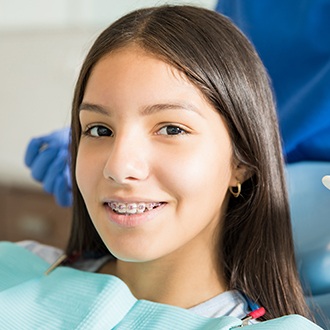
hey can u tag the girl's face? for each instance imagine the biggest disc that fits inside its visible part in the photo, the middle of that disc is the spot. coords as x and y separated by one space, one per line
154 161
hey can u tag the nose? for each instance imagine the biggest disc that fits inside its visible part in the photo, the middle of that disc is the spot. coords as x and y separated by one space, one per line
127 161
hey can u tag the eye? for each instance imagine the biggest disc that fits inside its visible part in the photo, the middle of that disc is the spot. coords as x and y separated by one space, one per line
171 130
99 131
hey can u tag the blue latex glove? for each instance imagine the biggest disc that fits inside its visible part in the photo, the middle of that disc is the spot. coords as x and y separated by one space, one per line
48 158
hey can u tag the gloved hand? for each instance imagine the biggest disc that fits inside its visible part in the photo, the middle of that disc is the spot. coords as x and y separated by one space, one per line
48 158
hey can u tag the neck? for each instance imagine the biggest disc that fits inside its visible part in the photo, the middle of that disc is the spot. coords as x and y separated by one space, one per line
184 279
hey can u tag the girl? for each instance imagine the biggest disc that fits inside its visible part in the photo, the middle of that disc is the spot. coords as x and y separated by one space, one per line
178 181
171 111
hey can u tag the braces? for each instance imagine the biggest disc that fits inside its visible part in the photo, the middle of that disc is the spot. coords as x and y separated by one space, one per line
132 208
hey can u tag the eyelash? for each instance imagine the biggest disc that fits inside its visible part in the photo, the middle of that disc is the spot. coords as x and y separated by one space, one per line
182 131
88 131
176 127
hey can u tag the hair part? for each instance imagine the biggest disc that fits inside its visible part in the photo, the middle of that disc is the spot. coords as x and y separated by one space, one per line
256 246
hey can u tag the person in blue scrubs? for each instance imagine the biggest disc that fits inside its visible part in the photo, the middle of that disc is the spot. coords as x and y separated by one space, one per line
293 41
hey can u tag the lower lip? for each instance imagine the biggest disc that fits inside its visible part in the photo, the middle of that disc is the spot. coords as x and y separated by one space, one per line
133 220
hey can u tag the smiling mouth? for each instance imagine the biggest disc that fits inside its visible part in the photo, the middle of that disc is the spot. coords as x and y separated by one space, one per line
133 208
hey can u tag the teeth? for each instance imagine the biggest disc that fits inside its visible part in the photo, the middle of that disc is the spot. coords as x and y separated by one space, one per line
150 206
140 208
132 208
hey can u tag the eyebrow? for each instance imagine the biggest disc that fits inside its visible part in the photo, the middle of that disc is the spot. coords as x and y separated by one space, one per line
94 108
150 109
145 111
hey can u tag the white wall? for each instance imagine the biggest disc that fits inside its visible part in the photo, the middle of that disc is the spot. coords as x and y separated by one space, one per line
42 45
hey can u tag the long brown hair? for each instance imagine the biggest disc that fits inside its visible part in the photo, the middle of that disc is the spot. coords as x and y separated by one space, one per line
256 246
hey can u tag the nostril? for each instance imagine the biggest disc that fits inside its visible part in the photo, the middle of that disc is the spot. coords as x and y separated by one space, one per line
127 160
126 172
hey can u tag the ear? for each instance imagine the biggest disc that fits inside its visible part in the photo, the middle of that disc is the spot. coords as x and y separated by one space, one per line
241 173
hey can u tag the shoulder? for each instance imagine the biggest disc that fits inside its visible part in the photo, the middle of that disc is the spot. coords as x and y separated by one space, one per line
46 252
229 303
50 254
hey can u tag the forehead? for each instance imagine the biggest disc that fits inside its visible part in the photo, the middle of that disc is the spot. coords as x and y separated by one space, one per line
131 69
124 58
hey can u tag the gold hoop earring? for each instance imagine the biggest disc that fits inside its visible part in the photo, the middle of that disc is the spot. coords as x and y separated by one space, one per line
238 192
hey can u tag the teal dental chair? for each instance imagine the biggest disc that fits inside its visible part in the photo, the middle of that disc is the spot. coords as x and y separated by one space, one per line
310 211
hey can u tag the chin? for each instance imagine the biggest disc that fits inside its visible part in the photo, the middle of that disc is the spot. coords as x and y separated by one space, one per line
132 254
133 257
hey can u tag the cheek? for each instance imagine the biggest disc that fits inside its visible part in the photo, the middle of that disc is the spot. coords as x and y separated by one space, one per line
200 172
81 170
86 172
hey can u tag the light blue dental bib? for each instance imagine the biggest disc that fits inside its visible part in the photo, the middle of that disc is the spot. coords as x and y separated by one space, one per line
73 299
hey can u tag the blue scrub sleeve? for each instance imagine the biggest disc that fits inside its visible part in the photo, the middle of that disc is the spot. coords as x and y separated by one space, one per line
293 41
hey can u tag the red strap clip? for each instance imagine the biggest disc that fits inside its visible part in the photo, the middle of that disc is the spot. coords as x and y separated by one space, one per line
257 313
